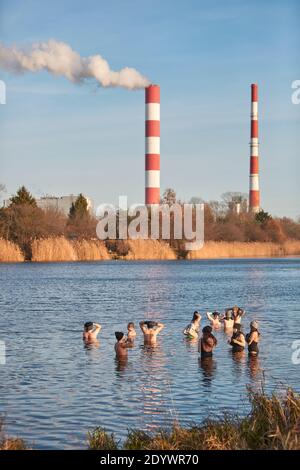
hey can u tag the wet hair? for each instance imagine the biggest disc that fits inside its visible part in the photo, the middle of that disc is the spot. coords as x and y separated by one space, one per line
215 314
196 316
238 327
228 315
119 335
130 325
88 326
207 330
150 324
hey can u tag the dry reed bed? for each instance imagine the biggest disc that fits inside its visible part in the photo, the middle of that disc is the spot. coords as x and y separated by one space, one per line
149 250
212 250
10 252
61 249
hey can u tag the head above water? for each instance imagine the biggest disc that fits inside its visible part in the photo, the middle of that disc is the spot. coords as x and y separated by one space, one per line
237 328
130 326
88 326
207 330
150 324
119 335
215 314
228 315
254 325
196 316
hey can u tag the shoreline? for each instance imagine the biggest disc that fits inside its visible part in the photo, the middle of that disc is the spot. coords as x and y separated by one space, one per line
271 424
60 249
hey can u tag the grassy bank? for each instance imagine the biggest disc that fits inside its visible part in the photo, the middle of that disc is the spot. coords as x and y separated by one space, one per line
213 250
273 423
62 249
7 443
54 249
10 252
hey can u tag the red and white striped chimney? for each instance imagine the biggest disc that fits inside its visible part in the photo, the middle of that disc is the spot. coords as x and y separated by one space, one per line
152 157
254 193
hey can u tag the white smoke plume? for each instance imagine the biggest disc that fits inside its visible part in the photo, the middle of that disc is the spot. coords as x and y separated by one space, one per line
58 58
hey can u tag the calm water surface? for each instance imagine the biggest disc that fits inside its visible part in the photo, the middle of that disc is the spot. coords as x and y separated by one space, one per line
53 390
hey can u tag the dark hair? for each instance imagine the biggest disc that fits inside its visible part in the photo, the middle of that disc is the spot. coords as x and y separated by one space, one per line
150 324
88 326
207 330
237 326
215 314
130 324
196 316
119 335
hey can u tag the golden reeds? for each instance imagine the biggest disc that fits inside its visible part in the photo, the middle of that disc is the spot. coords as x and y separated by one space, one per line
149 250
61 249
212 250
10 252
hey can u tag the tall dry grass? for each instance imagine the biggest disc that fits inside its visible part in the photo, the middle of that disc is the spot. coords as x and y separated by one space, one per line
272 424
10 252
291 247
61 249
149 250
245 250
52 249
90 250
7 443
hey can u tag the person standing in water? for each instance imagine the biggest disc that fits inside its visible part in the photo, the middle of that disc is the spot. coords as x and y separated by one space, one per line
214 319
90 332
131 333
253 338
228 321
237 313
121 346
237 340
192 330
207 343
151 330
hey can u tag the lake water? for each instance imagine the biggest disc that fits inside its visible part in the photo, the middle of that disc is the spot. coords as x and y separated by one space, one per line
53 390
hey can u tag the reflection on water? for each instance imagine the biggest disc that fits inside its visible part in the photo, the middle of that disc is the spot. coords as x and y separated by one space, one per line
209 368
46 384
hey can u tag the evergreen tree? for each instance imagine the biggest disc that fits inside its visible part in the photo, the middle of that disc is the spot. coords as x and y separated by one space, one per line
262 217
79 208
23 197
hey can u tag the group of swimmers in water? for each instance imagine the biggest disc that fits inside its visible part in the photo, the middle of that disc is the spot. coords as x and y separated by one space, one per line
230 321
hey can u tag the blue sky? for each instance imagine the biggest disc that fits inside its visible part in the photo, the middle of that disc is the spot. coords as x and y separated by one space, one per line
60 138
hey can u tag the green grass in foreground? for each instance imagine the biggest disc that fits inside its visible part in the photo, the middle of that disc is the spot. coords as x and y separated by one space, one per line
273 423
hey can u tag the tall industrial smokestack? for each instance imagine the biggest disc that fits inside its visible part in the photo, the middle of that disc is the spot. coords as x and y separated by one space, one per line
254 193
152 157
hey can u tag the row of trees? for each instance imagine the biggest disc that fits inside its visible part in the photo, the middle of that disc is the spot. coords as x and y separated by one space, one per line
22 221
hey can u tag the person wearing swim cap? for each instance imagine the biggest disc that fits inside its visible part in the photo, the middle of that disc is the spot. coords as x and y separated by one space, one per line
121 346
90 332
150 330
227 321
192 330
214 319
237 340
253 338
207 343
